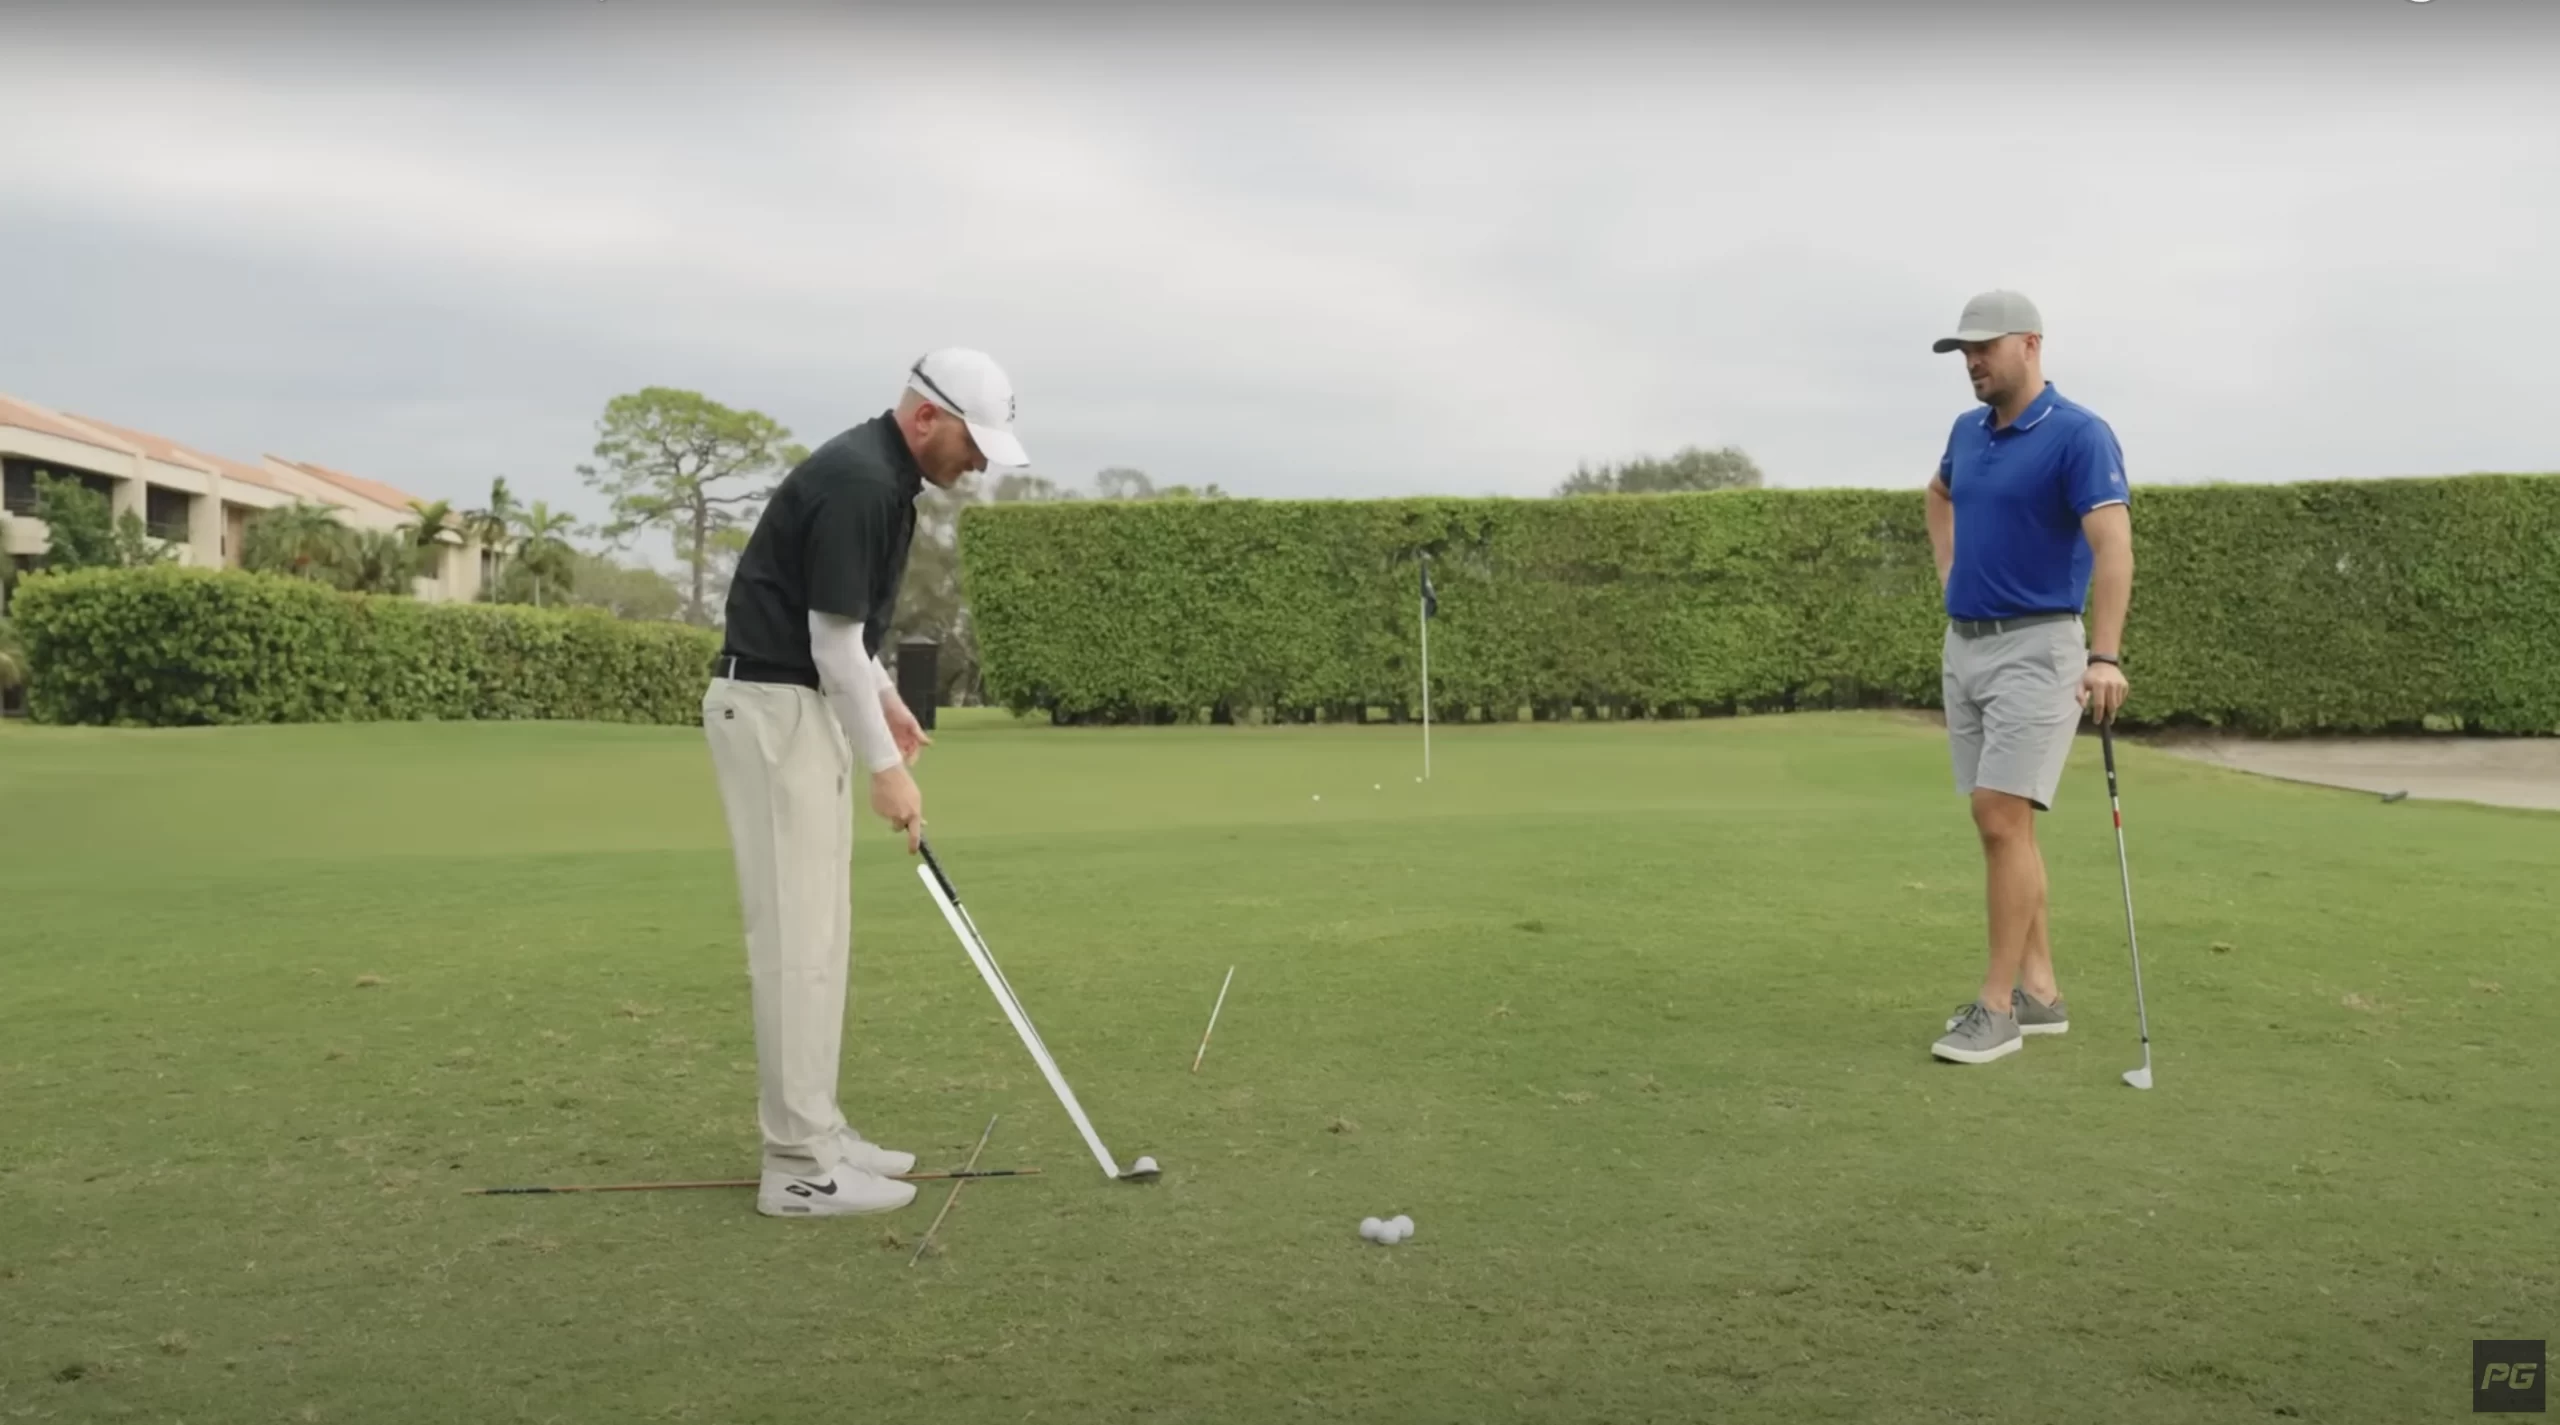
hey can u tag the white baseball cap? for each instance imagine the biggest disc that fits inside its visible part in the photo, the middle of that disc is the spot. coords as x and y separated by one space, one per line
1991 316
971 386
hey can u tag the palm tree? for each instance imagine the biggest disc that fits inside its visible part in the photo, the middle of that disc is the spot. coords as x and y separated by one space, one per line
302 539
382 561
432 517
491 525
426 533
544 550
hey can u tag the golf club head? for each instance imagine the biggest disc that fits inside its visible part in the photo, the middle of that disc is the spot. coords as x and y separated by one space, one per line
2139 1078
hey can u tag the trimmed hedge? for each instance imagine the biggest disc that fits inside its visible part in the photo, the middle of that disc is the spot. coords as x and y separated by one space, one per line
2372 605
174 646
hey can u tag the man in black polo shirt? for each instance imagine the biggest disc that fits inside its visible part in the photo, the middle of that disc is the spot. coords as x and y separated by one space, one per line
798 699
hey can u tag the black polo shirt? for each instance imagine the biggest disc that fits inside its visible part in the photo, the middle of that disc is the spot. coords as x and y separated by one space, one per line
833 538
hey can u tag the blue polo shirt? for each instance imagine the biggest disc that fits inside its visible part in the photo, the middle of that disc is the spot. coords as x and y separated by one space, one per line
2019 495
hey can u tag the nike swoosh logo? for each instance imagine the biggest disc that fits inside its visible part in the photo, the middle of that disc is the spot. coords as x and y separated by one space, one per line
828 1187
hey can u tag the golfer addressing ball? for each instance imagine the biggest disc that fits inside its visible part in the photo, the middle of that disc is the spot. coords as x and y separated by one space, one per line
2028 515
799 709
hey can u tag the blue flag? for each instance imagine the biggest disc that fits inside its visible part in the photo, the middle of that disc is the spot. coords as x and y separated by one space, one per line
1430 596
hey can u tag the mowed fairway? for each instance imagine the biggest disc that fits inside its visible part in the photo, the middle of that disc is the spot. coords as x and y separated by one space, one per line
1632 1020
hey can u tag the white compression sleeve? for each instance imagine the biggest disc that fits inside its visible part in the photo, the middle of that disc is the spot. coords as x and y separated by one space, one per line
846 677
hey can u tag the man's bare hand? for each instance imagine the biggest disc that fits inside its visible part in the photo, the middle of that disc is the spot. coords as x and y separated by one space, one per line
903 727
895 798
2102 691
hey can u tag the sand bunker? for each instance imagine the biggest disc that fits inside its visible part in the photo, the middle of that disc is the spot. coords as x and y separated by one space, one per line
2510 772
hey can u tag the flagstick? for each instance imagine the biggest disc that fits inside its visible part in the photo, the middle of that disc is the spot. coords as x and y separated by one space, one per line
1423 609
1213 1018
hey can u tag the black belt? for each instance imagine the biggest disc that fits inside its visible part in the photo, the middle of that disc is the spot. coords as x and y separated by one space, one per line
1985 627
748 670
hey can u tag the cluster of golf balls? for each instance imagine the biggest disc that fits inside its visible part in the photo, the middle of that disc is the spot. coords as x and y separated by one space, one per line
1387 1233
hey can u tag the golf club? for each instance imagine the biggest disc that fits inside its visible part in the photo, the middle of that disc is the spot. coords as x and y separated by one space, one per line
975 945
2139 1078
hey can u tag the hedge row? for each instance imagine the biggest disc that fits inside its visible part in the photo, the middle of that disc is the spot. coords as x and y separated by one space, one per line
173 646
2340 606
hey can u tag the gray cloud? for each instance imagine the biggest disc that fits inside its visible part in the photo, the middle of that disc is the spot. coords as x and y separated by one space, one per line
1295 252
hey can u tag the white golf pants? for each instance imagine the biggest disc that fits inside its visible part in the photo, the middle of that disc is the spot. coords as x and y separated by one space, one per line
786 784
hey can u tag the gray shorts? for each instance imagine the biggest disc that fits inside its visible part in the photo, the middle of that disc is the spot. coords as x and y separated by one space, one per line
2013 706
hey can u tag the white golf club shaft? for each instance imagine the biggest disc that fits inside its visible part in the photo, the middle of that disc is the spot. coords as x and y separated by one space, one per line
2124 873
1013 1012
1213 1019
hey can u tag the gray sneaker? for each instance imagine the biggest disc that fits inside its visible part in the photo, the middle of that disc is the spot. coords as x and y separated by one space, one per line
1977 1035
2037 1017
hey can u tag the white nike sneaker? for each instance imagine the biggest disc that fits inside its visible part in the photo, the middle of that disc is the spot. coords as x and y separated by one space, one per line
853 1148
846 1192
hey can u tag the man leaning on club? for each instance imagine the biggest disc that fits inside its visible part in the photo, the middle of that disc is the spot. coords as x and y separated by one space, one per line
2029 517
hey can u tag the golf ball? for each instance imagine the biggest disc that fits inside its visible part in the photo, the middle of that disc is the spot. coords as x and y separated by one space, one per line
1144 1165
1317 797
1371 1228
1402 1224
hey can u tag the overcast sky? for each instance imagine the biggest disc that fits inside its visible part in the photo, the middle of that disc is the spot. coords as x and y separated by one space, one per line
1328 252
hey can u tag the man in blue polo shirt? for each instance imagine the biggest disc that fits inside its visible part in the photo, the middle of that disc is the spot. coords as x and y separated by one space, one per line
2029 517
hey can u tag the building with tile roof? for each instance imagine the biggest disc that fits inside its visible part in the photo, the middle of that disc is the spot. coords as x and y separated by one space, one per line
198 501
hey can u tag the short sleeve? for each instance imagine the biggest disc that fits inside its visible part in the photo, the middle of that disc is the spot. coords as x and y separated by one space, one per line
843 542
2093 469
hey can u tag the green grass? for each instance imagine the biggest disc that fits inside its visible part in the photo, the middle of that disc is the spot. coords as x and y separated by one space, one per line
1632 1020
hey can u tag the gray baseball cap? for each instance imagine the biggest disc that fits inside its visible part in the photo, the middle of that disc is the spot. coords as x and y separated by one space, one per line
1992 315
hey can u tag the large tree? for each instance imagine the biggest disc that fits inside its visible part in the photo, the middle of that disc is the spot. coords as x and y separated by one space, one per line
682 462
625 591
721 567
1023 485
1690 468
1119 482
